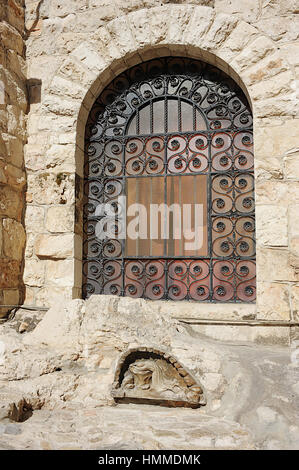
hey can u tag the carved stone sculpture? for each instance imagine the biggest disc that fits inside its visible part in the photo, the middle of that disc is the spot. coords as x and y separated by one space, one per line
150 376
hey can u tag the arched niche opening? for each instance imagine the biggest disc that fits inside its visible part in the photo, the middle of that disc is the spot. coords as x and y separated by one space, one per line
170 136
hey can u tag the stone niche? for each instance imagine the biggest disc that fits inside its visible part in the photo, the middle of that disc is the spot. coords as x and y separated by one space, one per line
150 376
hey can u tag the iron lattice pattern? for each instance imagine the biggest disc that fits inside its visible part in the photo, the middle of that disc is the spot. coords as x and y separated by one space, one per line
172 123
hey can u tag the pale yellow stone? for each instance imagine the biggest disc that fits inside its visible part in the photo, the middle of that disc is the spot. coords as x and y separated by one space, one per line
243 34
272 192
34 273
60 219
280 29
61 157
54 246
295 301
249 11
140 27
273 301
274 265
219 31
293 216
291 164
274 87
272 225
268 167
60 273
34 219
88 57
290 52
270 66
253 53
50 188
49 296
276 140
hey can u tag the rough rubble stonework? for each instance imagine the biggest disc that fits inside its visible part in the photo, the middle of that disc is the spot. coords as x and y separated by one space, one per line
66 367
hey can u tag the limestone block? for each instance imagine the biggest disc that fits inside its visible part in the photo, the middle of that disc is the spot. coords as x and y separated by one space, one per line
63 87
54 246
63 8
220 30
61 157
50 188
281 7
294 254
34 273
281 84
89 58
273 301
121 34
293 191
16 122
271 225
280 29
293 226
11 39
60 219
140 27
73 70
11 296
268 167
16 90
30 239
43 68
10 202
272 192
159 24
29 296
14 149
240 37
60 273
285 105
290 52
276 140
13 239
15 177
33 157
291 164
248 11
62 138
51 296
179 20
268 67
254 51
295 301
273 265
61 107
16 64
9 273
199 23
50 123
34 219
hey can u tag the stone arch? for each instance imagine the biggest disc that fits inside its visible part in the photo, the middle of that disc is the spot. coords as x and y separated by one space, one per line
236 47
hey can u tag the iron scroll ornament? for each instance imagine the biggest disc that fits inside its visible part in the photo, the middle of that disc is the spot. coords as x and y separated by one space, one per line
172 117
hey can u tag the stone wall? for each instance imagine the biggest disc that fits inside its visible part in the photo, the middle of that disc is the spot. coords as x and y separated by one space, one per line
75 48
13 106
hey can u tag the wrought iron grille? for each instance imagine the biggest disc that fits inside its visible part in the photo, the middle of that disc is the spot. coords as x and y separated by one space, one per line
172 123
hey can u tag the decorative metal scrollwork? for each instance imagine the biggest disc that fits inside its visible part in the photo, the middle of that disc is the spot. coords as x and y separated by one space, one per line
172 117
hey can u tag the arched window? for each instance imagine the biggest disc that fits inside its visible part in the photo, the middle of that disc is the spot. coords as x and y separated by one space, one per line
169 186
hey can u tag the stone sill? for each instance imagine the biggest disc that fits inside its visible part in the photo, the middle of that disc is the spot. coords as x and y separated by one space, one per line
189 310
